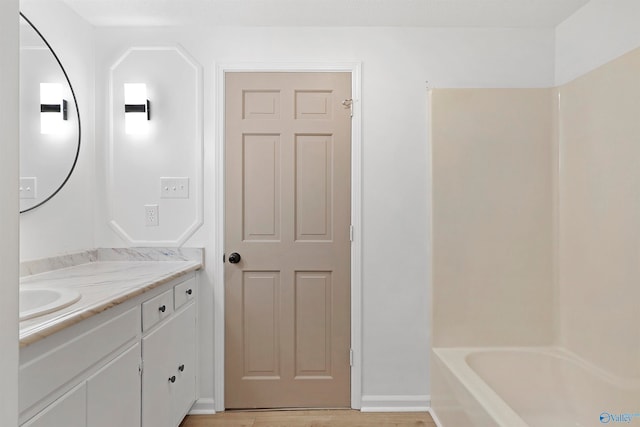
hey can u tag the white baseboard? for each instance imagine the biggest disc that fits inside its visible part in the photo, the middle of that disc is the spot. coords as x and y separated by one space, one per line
374 403
369 404
203 407
435 417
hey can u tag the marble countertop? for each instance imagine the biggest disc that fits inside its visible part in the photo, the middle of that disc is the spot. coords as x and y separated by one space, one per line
102 284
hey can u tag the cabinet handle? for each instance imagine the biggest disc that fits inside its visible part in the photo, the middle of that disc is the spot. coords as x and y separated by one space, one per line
181 368
172 379
189 291
162 308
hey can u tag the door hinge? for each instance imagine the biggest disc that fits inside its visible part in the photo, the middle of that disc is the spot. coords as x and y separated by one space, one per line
351 233
350 357
140 368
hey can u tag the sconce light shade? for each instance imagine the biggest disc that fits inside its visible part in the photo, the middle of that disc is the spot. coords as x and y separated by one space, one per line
136 108
53 109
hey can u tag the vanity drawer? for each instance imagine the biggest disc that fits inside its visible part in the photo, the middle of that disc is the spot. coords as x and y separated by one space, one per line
184 292
47 373
156 309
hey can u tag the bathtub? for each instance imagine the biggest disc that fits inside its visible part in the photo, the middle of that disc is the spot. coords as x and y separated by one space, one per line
528 386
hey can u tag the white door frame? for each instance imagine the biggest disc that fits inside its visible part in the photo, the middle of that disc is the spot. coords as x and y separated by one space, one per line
356 215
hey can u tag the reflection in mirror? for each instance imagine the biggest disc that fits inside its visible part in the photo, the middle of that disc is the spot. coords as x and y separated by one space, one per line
49 135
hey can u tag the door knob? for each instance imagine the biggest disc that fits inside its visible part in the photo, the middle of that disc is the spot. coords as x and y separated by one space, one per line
234 258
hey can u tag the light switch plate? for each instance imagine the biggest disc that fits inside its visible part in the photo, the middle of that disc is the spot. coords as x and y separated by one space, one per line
28 187
174 188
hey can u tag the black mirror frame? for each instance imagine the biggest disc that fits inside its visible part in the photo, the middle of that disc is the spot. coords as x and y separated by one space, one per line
75 100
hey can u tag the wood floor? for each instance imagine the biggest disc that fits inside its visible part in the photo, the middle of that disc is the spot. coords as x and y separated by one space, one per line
316 418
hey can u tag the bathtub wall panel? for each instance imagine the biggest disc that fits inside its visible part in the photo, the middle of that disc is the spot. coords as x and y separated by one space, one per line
492 217
599 292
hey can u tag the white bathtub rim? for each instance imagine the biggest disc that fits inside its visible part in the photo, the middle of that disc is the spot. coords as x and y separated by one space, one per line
435 418
560 353
601 373
455 361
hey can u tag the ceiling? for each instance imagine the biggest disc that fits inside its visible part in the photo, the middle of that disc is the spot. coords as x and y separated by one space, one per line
405 13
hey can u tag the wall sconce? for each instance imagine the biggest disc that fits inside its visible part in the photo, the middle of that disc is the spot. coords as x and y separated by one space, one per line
53 109
136 108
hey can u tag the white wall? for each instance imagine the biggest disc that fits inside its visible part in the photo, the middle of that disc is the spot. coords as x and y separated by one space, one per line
9 66
396 64
170 147
66 222
599 32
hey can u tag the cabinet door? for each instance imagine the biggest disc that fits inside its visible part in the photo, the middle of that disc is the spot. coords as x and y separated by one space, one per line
158 368
184 390
70 410
113 393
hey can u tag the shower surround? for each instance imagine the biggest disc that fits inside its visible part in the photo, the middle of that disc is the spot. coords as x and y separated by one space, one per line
536 244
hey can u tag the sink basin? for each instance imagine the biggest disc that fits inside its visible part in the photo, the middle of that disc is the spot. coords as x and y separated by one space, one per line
38 301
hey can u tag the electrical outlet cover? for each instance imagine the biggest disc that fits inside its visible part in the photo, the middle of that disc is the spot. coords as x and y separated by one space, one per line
151 216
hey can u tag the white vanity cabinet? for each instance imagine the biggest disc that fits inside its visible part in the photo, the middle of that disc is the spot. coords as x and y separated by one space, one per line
113 393
184 389
69 411
168 377
114 368
169 356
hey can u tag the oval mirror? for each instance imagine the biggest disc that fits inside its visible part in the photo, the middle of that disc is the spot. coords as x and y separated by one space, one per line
49 120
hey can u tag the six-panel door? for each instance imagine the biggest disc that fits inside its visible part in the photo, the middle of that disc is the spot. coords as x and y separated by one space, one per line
287 213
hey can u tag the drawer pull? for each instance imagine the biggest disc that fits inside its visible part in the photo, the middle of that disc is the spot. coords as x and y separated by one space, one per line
172 379
181 368
189 291
162 308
